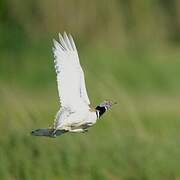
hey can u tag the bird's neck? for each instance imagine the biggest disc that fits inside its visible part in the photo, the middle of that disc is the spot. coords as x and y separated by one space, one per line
100 111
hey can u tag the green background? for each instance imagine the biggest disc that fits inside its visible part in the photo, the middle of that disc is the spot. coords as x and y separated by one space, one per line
130 53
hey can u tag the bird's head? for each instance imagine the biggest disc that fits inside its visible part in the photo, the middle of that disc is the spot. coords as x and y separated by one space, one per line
104 106
107 104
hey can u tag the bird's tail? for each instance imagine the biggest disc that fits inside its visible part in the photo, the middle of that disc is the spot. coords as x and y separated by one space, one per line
47 132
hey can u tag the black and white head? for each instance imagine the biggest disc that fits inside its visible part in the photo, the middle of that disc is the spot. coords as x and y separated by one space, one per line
103 107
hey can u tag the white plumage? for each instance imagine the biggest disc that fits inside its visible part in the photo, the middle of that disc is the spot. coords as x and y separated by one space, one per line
74 100
70 76
75 114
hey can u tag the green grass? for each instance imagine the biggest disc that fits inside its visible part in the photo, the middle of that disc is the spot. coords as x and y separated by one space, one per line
137 139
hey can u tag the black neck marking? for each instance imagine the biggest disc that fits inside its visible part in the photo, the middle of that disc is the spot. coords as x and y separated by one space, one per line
101 110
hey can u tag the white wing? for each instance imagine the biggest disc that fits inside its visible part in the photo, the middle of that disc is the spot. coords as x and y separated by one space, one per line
83 91
70 77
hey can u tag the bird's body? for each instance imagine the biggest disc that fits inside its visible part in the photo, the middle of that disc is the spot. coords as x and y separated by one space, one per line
75 114
77 121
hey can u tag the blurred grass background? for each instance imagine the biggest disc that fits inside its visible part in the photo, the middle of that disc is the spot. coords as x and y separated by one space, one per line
129 50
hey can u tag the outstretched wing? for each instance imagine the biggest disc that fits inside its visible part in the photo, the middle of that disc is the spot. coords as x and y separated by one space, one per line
70 77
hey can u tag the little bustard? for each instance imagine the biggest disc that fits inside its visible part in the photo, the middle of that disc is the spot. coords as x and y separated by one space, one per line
75 114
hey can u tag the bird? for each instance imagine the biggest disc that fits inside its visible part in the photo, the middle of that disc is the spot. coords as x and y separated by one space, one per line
76 113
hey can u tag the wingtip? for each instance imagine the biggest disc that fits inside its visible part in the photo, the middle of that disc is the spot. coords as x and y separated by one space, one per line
54 41
64 33
66 41
72 42
57 45
60 36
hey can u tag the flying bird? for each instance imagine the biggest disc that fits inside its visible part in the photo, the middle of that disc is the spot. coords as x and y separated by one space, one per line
75 114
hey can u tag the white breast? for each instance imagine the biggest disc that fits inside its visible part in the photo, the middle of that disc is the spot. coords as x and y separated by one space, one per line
91 117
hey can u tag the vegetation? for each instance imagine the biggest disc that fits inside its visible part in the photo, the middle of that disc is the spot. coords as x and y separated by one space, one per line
128 55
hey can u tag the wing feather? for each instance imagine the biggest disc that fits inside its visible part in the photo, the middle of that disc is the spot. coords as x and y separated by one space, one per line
83 90
70 76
